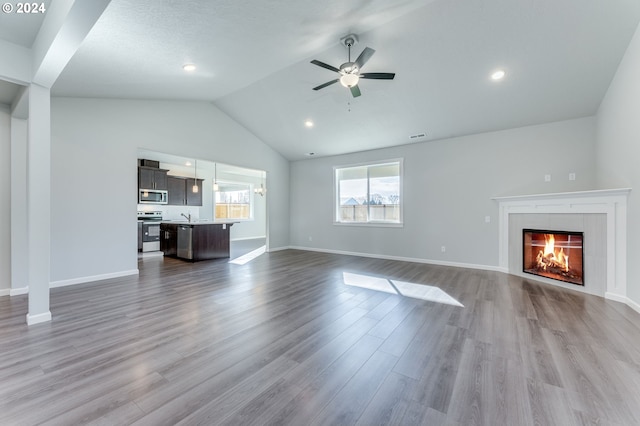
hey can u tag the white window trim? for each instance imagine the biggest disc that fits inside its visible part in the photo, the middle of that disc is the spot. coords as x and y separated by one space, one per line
336 202
251 202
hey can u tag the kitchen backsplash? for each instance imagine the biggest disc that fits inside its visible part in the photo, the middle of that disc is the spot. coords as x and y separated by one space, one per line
174 212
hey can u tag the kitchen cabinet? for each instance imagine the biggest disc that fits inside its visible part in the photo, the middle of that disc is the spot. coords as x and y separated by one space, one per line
169 239
194 198
152 178
181 193
177 191
196 241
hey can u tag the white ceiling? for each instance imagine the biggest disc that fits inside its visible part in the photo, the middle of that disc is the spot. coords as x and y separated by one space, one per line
21 28
253 63
8 92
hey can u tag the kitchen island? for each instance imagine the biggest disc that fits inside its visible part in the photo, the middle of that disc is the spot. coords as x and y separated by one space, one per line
195 240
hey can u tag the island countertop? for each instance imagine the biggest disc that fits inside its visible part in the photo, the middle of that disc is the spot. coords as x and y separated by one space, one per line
195 222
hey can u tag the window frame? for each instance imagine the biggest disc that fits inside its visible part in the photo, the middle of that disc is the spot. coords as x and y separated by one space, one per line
251 201
369 223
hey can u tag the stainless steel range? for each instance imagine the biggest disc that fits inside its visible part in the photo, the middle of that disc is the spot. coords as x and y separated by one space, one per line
149 230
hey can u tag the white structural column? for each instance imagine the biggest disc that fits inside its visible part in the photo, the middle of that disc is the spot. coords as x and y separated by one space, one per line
65 26
39 203
19 253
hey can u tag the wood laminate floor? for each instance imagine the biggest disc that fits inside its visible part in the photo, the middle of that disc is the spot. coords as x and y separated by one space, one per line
282 340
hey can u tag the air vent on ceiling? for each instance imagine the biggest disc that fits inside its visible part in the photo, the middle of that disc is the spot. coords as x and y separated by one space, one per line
417 136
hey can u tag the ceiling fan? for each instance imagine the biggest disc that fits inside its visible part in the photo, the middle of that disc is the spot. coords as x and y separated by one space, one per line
350 71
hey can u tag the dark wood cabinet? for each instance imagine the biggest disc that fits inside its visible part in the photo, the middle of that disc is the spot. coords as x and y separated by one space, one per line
177 191
210 241
194 198
195 241
169 239
200 241
151 178
181 191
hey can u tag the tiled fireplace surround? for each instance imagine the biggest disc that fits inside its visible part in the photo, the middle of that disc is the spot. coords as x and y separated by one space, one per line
600 214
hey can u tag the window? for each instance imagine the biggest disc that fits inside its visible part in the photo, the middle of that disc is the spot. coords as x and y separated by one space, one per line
233 201
369 194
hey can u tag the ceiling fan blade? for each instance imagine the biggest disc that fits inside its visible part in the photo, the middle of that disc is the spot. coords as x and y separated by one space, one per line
328 83
379 75
366 54
323 65
355 91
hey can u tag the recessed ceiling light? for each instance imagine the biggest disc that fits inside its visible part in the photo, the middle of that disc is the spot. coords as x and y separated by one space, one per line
188 163
189 67
498 75
308 123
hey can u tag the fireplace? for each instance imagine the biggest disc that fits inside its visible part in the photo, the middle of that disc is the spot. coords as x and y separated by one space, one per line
553 254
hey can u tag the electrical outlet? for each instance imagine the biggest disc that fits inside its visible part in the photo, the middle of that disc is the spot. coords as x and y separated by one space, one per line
572 176
547 178
310 238
487 219
443 249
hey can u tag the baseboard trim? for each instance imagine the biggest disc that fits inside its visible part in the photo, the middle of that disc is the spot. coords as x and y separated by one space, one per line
92 278
272 249
623 299
5 292
403 259
616 297
19 291
38 318
248 238
633 305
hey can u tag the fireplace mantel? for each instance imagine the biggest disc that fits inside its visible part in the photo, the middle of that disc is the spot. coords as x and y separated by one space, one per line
611 202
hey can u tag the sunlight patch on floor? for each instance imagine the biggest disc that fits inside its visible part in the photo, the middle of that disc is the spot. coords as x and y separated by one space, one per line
416 291
245 258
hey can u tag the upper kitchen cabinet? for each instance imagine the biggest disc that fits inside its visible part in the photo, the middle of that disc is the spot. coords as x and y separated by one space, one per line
194 198
152 178
177 191
181 191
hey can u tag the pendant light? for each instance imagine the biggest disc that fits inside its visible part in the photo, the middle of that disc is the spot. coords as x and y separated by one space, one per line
195 178
215 177
262 190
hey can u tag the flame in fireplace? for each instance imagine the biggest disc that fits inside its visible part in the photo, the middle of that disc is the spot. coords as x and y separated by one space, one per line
552 257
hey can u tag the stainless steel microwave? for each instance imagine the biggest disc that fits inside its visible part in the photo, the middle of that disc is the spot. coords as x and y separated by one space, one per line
153 196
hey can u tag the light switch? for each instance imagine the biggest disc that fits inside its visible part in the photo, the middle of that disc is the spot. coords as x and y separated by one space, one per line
547 178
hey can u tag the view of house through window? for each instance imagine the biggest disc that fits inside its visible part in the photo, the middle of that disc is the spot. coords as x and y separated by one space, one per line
233 201
369 193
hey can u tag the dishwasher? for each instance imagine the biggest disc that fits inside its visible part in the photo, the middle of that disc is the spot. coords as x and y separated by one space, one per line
185 242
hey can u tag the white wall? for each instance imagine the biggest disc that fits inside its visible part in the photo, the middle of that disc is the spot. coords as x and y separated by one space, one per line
448 186
94 182
618 150
5 196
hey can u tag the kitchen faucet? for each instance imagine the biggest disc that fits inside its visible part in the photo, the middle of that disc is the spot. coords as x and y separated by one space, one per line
188 217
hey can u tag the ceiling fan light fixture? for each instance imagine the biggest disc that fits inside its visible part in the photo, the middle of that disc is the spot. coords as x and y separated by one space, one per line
349 80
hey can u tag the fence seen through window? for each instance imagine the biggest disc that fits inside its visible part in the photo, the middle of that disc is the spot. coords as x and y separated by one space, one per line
369 193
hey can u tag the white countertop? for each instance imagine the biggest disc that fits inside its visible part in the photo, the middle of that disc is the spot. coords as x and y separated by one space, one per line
196 222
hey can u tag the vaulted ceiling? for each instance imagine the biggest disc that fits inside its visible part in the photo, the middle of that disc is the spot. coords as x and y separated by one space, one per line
253 61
